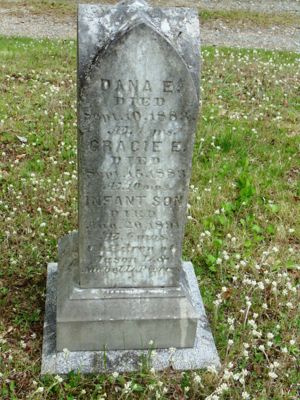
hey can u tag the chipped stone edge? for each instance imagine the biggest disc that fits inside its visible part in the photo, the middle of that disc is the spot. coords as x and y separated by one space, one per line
202 355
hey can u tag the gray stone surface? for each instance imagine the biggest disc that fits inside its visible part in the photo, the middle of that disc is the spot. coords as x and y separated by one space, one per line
138 107
120 281
119 317
202 355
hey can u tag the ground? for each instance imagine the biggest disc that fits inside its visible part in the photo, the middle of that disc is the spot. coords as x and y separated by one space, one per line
268 24
242 235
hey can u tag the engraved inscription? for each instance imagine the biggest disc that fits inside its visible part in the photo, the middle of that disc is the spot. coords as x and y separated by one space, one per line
138 111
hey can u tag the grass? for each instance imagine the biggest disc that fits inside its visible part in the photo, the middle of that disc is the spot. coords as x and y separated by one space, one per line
251 19
242 235
232 18
55 8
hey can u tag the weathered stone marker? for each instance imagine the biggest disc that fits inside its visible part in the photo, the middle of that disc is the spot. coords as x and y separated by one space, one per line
121 283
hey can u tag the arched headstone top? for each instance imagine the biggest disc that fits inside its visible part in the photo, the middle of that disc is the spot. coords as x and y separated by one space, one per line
99 25
145 29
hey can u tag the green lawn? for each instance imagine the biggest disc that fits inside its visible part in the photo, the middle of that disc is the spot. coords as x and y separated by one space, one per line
243 231
249 19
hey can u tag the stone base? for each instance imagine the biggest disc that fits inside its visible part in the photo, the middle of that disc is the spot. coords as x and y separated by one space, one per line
119 318
203 353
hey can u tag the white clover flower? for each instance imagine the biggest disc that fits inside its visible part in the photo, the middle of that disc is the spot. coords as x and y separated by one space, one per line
217 302
58 378
127 385
40 389
222 388
115 374
261 285
230 342
212 369
227 375
66 352
236 376
272 375
245 395
252 323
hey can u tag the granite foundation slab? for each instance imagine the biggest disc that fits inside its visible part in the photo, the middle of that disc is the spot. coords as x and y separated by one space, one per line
202 355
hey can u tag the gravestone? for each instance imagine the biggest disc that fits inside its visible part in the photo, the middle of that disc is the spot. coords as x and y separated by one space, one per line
120 286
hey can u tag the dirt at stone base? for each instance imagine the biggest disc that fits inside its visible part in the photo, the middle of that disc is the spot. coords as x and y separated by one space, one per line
212 33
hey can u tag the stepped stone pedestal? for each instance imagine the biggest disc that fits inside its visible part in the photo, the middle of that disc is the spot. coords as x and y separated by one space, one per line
120 287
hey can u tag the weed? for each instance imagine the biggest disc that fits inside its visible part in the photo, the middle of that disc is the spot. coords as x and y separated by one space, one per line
242 232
